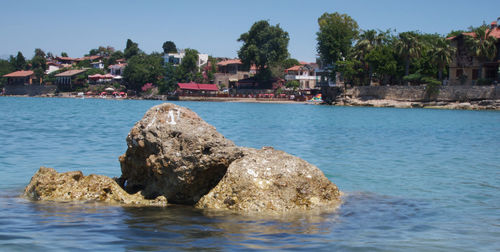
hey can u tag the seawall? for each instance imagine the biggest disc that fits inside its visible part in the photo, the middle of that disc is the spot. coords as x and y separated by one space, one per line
30 90
415 93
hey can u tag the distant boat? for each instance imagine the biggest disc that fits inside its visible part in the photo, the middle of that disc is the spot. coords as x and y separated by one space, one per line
81 94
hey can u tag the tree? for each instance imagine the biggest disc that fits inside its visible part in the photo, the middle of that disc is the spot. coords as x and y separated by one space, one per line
335 36
383 62
5 68
131 49
265 46
142 69
441 55
113 57
368 41
482 45
18 62
169 83
290 62
169 47
408 46
64 54
39 64
188 68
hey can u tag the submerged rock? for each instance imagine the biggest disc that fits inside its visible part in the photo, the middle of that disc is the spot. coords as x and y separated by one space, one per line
174 153
48 184
271 180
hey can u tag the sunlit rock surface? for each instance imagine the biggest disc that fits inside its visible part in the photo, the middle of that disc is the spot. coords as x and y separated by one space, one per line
48 184
271 180
174 153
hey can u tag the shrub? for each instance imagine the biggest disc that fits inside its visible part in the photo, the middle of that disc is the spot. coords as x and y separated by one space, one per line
432 87
484 82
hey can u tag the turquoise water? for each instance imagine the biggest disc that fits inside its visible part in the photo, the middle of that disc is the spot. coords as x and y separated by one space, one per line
414 179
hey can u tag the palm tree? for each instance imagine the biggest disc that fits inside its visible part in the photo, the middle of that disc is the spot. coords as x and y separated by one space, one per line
409 46
368 41
441 54
482 45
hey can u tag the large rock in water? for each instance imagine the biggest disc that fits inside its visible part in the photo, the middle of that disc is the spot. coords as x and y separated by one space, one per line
272 180
48 184
174 153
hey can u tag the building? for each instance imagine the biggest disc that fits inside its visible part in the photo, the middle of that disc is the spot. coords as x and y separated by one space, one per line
97 65
176 58
52 67
196 89
305 74
465 69
20 78
68 79
117 69
229 72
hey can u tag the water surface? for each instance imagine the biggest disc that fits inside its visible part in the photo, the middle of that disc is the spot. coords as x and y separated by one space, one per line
414 179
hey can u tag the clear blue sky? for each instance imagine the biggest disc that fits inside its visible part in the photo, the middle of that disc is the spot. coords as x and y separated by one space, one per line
212 27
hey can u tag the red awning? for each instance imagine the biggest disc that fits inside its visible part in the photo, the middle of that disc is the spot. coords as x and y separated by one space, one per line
196 86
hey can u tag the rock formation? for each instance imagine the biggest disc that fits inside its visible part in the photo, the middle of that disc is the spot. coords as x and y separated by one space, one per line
272 180
174 153
47 184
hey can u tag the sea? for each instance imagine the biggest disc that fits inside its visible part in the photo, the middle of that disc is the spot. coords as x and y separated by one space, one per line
413 179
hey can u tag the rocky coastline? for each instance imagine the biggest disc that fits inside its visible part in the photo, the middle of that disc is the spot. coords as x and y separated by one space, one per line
386 103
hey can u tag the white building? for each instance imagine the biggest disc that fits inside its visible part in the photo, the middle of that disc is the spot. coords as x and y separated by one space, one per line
305 74
176 58
97 65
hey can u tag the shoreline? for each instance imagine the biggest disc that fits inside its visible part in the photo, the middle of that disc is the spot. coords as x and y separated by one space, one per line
492 105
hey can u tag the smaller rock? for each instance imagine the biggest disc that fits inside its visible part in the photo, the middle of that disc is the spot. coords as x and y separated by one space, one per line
48 184
271 180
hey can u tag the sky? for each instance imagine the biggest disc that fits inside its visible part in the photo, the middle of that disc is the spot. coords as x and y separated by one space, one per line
212 27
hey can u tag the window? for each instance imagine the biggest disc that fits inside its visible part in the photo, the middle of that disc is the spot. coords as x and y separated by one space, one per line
475 74
460 72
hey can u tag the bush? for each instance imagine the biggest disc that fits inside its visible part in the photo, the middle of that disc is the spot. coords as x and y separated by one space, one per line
432 87
415 78
484 82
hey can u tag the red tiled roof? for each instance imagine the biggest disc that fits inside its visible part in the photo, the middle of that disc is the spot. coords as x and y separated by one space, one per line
196 86
494 33
294 68
20 74
66 58
94 57
228 62
303 63
70 73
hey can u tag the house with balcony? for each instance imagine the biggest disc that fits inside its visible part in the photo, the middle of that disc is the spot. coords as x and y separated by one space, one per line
229 72
305 74
117 69
465 69
176 58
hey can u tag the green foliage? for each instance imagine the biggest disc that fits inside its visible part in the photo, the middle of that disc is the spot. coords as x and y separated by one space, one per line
383 61
169 47
64 54
265 46
101 50
131 49
409 46
39 63
83 64
18 62
5 68
415 78
432 87
142 69
482 45
293 84
484 82
188 69
351 70
335 37
290 62
112 58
